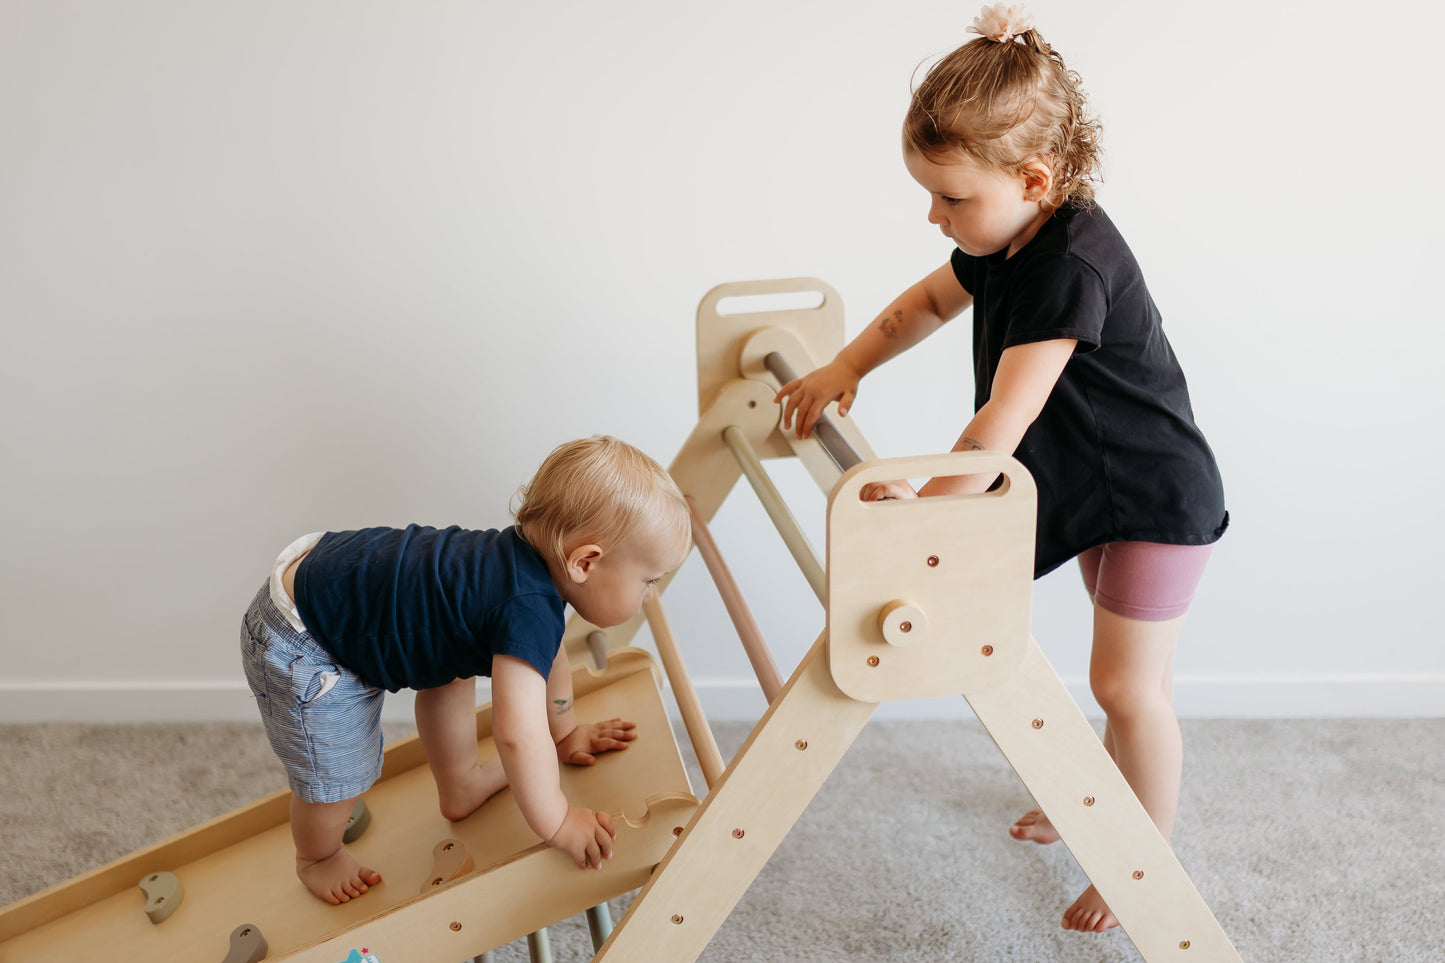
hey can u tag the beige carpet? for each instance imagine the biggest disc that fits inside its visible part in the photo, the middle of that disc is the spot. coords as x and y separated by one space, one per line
1312 840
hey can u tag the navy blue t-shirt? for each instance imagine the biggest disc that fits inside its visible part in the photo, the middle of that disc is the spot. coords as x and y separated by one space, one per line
1115 451
420 607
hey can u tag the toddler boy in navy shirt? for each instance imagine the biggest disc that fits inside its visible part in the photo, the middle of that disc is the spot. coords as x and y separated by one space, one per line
346 616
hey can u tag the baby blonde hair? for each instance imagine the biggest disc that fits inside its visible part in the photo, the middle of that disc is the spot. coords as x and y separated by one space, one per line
601 489
1002 102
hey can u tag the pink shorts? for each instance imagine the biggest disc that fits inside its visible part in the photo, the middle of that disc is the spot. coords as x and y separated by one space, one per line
1147 581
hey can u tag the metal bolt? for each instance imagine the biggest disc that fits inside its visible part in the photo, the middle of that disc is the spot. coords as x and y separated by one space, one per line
800 745
456 927
677 917
1088 800
1038 723
905 626
987 650
1138 874
933 561
1184 944
738 834
873 660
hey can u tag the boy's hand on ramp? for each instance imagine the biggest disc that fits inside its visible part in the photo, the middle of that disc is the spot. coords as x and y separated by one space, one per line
581 746
586 836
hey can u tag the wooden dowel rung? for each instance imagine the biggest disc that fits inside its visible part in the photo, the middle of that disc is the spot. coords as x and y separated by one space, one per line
787 526
693 718
597 645
737 607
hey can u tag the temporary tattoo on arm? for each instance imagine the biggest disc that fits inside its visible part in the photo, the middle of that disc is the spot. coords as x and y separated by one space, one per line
970 444
890 324
561 705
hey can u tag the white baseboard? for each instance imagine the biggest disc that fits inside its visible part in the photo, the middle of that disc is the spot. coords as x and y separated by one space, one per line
1202 697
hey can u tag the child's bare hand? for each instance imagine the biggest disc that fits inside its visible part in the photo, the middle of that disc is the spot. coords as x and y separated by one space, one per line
882 491
809 395
586 836
581 746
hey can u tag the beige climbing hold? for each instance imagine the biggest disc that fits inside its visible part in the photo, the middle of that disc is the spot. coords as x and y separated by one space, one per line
450 859
357 823
164 893
247 945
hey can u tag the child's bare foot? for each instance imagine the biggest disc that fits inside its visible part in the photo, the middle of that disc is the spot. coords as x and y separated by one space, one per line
1089 914
461 798
338 878
1034 826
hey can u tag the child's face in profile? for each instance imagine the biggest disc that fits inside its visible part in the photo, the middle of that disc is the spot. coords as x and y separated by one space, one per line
980 209
607 586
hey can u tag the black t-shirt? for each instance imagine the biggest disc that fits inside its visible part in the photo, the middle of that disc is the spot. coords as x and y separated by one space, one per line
1115 451
420 607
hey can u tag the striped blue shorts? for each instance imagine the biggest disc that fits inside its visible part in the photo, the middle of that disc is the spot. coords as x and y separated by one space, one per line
321 719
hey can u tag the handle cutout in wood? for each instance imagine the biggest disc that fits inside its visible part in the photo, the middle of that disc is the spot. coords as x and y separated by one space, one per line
770 302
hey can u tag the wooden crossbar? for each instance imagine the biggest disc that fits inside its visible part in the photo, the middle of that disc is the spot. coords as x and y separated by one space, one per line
759 655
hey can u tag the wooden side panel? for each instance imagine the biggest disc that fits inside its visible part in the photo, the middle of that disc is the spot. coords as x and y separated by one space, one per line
720 337
964 563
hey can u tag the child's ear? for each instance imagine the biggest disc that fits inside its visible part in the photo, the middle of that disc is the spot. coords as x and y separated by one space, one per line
580 561
1038 179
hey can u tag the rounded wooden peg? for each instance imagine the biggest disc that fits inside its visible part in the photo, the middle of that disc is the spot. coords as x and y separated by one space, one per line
164 893
902 623
450 859
356 825
247 945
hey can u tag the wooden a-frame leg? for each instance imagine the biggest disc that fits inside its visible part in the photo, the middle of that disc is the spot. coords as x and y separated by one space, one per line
1039 728
791 752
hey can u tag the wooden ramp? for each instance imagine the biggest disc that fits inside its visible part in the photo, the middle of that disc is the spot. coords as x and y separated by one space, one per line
238 869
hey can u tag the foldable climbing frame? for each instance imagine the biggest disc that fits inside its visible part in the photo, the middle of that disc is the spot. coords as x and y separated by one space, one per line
923 597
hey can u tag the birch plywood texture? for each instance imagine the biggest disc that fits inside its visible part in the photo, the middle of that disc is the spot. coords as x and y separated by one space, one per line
240 868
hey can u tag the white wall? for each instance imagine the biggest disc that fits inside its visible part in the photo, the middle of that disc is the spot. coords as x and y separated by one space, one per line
270 267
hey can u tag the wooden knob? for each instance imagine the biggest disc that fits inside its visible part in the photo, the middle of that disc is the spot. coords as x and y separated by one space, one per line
902 623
